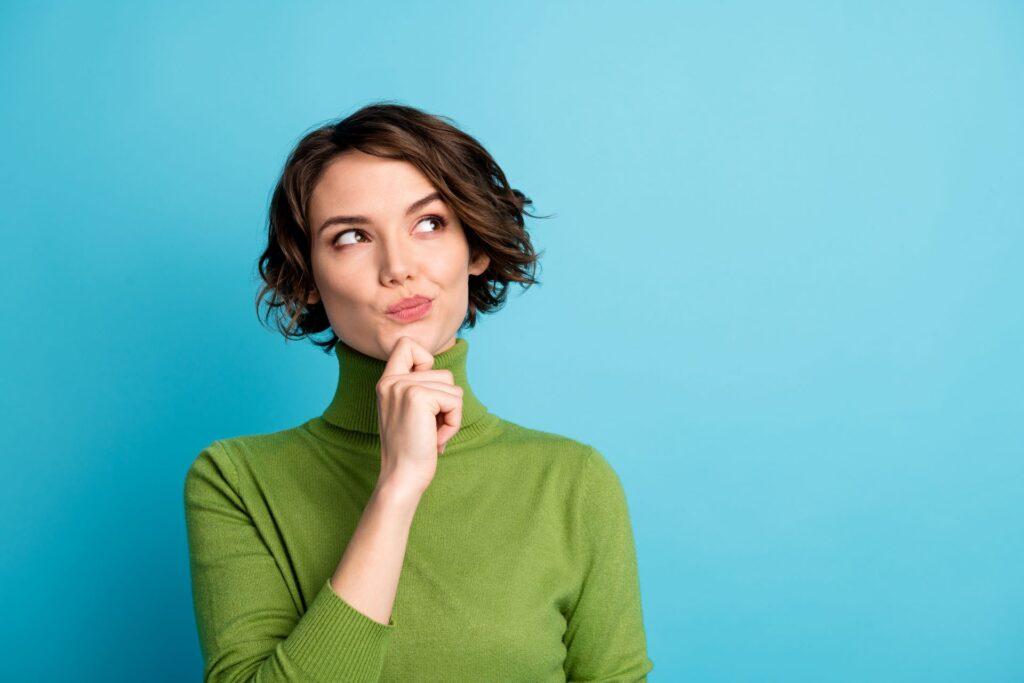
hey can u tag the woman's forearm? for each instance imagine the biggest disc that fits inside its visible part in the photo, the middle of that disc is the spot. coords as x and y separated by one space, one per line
367 575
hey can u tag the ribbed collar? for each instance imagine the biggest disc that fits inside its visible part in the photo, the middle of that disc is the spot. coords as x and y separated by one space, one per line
353 408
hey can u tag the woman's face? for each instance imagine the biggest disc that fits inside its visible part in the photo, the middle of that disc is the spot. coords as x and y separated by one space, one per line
375 242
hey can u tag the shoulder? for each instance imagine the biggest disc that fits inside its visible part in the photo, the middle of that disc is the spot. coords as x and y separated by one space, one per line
558 445
229 456
585 460
593 474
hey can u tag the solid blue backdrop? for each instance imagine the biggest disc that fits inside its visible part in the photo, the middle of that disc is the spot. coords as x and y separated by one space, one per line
781 292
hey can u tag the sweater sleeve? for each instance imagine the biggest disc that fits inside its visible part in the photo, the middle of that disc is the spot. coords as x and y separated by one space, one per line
604 635
249 626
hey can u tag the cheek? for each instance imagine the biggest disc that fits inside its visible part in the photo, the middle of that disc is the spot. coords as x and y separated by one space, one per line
349 285
456 278
455 268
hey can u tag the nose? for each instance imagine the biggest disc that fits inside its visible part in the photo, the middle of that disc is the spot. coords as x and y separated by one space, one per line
397 261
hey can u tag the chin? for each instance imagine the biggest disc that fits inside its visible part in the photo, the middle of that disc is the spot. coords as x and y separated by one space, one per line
390 337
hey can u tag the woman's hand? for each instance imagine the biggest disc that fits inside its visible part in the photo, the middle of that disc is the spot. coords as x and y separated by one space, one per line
418 410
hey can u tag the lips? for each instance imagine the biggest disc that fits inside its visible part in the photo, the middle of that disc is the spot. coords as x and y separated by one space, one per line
408 302
412 313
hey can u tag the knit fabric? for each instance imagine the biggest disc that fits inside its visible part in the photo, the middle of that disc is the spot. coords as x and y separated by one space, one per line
520 563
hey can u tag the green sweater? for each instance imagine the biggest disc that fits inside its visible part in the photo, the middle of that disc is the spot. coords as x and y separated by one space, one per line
520 563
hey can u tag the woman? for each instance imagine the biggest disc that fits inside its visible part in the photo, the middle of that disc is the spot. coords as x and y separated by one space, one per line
407 533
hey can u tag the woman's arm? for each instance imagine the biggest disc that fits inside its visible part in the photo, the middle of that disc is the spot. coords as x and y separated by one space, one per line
604 635
367 575
250 627
411 397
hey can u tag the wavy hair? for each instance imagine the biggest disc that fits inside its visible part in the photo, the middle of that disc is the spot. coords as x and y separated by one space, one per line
463 172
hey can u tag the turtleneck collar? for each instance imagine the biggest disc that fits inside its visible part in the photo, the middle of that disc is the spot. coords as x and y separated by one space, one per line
354 405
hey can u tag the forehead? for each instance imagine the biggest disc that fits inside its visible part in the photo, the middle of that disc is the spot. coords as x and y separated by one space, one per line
355 182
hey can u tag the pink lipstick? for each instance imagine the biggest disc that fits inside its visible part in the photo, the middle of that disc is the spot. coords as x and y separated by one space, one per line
409 309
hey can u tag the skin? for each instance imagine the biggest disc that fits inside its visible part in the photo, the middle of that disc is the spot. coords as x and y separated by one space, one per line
360 270
360 273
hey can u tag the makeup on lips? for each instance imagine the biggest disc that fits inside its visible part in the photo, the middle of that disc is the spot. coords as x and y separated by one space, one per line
409 309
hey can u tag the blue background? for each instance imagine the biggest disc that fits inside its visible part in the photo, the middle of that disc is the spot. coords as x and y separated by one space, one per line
781 293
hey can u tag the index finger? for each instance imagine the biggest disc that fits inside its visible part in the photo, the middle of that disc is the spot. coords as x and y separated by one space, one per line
408 356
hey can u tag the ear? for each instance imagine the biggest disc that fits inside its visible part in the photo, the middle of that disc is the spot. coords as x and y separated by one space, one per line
479 264
314 297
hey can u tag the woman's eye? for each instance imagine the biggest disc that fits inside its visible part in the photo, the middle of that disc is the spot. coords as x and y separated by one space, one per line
434 219
339 239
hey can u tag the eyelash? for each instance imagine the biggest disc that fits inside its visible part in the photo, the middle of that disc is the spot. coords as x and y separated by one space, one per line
334 241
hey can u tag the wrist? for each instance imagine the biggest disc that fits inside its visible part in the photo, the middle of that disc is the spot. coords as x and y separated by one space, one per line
391 493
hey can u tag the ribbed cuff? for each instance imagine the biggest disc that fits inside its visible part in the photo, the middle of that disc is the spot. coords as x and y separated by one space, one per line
336 642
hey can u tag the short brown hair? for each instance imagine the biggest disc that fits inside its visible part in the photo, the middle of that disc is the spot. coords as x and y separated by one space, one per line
469 180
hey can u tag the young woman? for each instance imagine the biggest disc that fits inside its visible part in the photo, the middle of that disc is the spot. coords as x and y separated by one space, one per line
407 533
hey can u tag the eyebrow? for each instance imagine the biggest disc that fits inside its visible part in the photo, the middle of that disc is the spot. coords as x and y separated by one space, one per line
362 220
